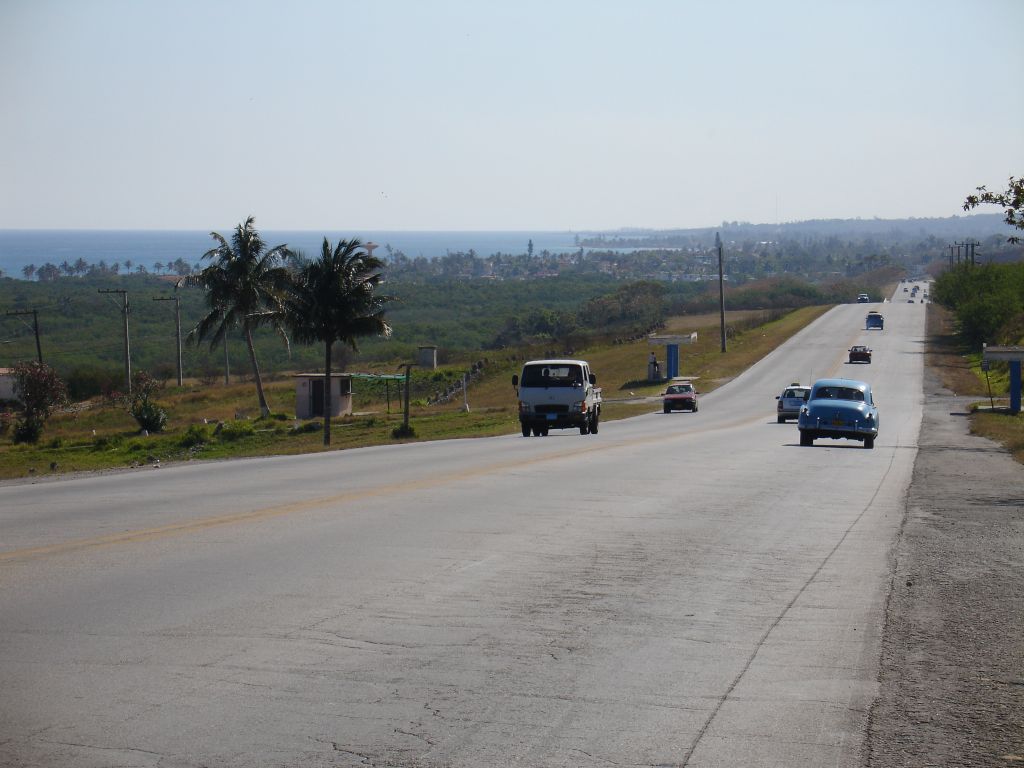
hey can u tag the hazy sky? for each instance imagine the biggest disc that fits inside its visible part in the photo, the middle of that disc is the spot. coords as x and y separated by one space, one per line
523 114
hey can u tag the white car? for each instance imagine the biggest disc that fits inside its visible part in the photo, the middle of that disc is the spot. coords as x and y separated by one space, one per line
791 401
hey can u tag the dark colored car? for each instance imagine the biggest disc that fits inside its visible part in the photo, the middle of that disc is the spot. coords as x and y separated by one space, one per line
681 396
874 320
860 354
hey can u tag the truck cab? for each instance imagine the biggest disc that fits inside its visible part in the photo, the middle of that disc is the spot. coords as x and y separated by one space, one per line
559 394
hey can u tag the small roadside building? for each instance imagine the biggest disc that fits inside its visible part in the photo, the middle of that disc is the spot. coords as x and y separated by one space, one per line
309 395
7 384
1014 358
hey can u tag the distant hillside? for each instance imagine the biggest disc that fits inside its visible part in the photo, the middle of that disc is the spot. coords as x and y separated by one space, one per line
953 228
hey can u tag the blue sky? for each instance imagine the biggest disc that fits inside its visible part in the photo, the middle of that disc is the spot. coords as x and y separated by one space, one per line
474 115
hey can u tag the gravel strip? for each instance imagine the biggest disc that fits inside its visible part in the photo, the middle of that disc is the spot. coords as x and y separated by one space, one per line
952 660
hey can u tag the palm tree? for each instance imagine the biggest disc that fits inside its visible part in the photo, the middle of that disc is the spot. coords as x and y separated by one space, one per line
333 299
245 286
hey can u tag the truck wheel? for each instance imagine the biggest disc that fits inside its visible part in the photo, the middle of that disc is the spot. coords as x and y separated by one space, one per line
543 431
536 431
593 422
806 439
526 429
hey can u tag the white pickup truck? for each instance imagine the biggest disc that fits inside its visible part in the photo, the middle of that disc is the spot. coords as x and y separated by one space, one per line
559 394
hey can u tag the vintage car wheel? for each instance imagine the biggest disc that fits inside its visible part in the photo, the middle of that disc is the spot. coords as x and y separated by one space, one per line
806 439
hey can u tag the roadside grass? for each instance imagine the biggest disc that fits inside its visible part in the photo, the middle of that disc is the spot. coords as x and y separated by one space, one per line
960 372
214 421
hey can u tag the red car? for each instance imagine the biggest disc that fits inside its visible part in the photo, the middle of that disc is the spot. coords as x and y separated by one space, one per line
681 396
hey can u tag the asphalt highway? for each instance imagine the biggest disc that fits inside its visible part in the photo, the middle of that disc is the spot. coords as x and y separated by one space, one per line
684 589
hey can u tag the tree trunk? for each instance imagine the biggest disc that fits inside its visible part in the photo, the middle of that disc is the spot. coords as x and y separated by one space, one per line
327 391
264 408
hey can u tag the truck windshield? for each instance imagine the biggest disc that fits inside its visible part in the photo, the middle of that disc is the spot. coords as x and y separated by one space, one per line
552 376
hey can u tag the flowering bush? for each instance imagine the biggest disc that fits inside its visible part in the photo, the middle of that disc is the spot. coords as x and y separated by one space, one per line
40 390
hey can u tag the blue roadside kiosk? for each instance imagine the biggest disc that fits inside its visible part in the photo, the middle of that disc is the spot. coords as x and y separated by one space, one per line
671 345
1013 356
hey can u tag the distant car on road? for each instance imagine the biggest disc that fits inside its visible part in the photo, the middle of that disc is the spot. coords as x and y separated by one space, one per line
681 396
839 409
874 320
863 298
791 401
860 354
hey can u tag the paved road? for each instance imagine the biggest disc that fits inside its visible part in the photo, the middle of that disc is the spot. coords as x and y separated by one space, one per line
681 589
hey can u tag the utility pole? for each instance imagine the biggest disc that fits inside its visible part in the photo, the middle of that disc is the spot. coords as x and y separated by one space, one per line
405 419
721 288
227 368
127 346
35 328
177 324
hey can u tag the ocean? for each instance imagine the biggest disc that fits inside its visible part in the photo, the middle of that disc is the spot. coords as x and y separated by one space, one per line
22 247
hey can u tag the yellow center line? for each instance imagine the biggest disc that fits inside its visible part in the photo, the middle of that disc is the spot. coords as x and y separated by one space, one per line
280 510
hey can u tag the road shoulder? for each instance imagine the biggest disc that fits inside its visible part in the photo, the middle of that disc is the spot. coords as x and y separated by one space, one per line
951 679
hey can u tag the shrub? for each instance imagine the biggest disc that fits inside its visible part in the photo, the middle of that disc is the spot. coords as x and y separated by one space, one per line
403 430
196 434
87 382
106 442
40 390
149 416
234 430
27 431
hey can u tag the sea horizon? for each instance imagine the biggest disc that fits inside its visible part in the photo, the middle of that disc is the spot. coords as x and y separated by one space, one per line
146 247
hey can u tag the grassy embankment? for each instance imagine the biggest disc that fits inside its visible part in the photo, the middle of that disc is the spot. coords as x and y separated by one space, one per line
97 435
961 372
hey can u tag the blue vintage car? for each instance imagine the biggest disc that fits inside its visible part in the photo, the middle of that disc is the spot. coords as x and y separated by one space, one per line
839 408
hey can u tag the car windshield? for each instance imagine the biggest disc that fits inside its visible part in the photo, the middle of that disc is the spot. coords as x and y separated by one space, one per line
678 389
552 376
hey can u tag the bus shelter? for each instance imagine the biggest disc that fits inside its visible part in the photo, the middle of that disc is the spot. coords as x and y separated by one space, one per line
1012 356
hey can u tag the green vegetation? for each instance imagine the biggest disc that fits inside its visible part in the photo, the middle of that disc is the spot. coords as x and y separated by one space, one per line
245 287
212 421
987 301
334 299
1012 202
40 391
